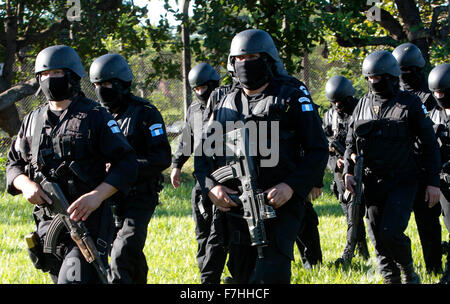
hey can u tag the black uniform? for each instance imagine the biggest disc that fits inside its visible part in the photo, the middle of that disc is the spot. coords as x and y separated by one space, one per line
143 126
86 134
442 126
210 260
385 130
300 130
335 127
427 219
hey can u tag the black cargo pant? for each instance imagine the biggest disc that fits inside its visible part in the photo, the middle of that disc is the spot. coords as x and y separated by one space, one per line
389 206
128 262
275 267
429 229
308 238
210 255
346 205
445 204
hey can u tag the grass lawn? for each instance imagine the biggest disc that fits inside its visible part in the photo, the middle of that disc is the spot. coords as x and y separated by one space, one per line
170 247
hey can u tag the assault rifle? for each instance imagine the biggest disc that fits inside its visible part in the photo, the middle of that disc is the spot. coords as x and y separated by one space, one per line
78 231
338 147
253 201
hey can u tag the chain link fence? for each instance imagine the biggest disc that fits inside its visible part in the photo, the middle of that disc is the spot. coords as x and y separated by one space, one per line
167 95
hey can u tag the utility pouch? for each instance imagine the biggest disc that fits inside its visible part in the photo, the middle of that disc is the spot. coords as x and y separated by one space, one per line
35 251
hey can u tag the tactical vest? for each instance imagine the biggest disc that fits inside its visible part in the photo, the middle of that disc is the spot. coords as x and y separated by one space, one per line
235 107
129 122
384 136
339 126
64 152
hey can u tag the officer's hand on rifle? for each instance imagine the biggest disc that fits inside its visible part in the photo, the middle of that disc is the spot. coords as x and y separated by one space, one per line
88 202
350 182
314 194
31 191
279 194
218 195
432 196
175 177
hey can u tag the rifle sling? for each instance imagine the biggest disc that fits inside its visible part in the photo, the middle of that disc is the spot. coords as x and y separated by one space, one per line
39 122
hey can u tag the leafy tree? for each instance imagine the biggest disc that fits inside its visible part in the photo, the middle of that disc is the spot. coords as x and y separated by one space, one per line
31 25
361 25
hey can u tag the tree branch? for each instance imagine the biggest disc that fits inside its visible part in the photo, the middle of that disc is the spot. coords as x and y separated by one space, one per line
36 37
391 24
365 41
17 93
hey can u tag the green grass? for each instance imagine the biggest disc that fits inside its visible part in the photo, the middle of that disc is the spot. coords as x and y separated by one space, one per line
171 247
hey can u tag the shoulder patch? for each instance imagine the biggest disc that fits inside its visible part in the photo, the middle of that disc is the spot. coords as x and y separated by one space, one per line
112 124
304 90
156 129
427 114
307 107
304 99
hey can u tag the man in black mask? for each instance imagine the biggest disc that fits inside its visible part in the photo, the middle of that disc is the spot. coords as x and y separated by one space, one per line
143 127
412 79
339 91
70 139
439 84
263 97
204 81
384 126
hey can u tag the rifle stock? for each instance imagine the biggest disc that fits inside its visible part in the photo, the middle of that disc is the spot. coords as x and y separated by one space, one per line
78 231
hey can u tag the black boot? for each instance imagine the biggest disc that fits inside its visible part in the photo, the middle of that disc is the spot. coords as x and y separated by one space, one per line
346 257
409 276
392 280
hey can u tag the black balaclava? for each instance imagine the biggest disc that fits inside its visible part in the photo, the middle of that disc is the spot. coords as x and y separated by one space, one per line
57 88
346 106
113 98
444 102
253 74
386 88
414 80
211 86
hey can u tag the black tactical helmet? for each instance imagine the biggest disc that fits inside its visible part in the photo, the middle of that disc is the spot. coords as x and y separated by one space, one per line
59 57
439 78
408 55
254 41
379 63
201 74
110 66
338 88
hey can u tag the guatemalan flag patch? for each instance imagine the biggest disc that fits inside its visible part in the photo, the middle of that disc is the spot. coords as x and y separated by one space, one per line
307 107
112 124
156 129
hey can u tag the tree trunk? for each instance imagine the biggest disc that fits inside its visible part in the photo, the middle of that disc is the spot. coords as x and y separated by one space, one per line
186 56
9 117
